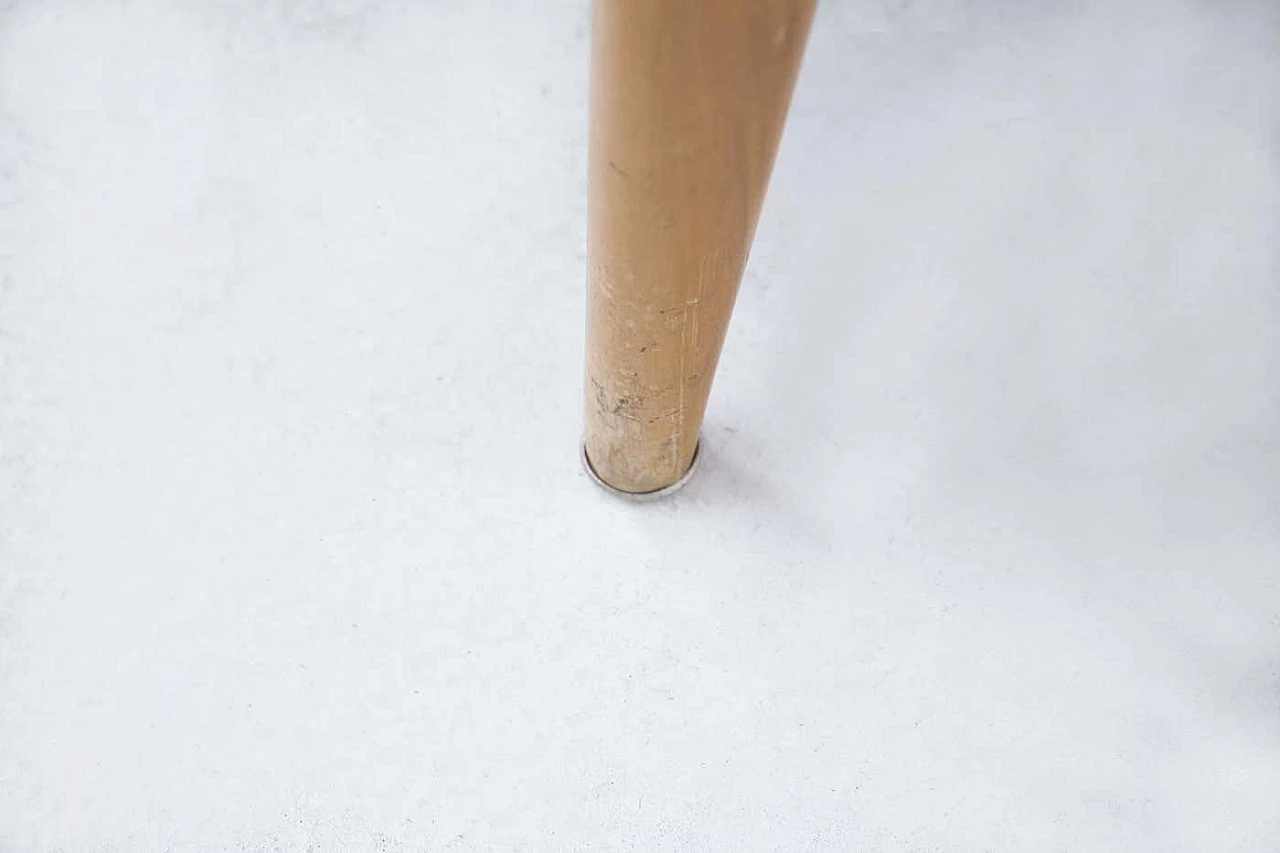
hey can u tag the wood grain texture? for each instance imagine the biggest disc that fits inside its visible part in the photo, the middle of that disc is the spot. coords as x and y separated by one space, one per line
688 101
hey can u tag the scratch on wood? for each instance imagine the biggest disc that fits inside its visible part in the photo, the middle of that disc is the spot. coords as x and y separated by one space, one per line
628 407
604 281
678 424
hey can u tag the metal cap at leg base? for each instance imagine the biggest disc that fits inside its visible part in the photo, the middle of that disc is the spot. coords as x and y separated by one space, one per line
642 497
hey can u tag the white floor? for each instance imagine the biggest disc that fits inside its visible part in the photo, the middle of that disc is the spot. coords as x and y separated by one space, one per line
296 554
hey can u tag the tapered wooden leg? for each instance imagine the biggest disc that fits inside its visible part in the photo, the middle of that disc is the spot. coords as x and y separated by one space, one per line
688 100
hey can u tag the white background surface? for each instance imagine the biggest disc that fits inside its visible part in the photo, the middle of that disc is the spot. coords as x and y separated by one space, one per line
296 553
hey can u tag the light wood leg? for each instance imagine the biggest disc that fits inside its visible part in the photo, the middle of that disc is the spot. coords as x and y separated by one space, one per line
688 101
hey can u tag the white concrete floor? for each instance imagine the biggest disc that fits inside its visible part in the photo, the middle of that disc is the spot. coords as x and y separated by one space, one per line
295 551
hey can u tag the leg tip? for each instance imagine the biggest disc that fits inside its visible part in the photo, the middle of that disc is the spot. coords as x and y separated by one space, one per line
642 497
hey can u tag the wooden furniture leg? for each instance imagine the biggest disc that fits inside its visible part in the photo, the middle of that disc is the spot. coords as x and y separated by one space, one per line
688 101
